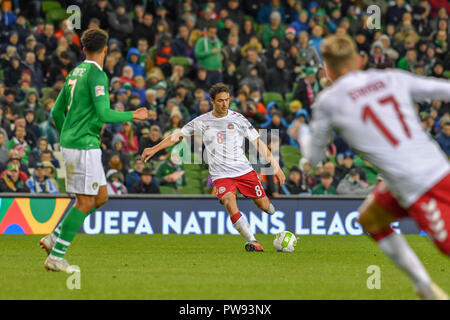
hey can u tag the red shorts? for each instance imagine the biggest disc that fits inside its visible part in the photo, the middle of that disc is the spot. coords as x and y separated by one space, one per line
248 184
431 211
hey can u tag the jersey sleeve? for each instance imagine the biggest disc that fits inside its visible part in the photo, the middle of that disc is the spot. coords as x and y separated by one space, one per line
59 109
98 87
192 127
314 142
247 128
423 88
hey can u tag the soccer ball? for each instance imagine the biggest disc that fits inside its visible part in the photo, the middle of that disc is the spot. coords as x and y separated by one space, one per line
285 241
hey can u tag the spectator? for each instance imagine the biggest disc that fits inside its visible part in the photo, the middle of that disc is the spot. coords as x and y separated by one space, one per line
348 164
246 32
308 53
308 176
278 78
273 29
31 127
265 13
10 182
325 186
49 131
32 103
37 76
134 175
207 51
295 183
3 147
145 184
278 125
115 184
144 30
39 183
48 39
170 172
120 23
378 59
301 24
19 143
99 10
443 137
180 45
13 72
305 92
352 185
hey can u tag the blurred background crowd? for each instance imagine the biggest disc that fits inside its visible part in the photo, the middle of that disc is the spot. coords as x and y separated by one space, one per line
165 55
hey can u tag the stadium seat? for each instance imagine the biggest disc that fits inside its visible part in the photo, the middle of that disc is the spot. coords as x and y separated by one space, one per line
291 155
289 96
273 96
189 190
56 15
50 5
166 190
184 61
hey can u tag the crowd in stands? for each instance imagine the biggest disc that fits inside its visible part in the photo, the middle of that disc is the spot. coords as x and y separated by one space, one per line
166 54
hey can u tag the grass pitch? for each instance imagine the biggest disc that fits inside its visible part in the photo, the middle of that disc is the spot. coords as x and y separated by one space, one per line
211 267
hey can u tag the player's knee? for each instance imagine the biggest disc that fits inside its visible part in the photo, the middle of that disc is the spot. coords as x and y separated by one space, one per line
101 200
369 222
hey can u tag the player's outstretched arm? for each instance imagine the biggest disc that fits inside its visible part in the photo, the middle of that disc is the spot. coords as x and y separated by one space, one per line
59 109
174 138
424 88
265 152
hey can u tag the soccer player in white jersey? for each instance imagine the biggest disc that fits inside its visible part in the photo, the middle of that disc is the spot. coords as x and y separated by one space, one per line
223 132
374 112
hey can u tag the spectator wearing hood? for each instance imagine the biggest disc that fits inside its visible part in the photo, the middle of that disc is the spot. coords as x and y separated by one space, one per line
253 80
277 123
301 24
13 72
48 130
32 103
378 59
115 184
133 57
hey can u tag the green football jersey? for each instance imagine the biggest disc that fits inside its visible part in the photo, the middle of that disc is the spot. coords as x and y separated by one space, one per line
83 106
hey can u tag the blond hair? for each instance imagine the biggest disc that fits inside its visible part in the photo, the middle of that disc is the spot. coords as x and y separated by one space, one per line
339 52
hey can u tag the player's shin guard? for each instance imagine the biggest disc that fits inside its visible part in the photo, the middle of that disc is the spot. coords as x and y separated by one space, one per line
57 231
397 249
241 224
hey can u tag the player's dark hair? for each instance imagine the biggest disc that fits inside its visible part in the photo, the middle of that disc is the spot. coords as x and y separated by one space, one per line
218 88
94 40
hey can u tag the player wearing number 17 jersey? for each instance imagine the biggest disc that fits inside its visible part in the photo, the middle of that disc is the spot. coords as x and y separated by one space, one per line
79 112
374 113
223 132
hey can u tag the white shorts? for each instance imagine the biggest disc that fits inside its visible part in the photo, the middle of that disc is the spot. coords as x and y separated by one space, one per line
84 171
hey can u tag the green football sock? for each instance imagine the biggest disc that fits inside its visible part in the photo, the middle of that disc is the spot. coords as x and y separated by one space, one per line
68 229
57 231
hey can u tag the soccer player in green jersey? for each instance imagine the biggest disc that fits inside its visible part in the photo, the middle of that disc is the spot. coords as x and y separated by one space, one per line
79 112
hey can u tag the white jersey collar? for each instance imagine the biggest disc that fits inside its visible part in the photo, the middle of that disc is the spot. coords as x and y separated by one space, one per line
90 61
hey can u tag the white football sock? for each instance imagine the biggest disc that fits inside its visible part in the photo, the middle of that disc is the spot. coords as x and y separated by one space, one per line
271 209
398 250
243 227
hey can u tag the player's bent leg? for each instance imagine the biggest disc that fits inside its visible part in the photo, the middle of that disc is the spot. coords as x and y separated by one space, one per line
373 218
377 213
240 222
102 197
264 204
69 227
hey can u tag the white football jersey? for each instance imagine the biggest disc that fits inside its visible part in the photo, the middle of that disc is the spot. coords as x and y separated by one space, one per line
373 111
224 142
